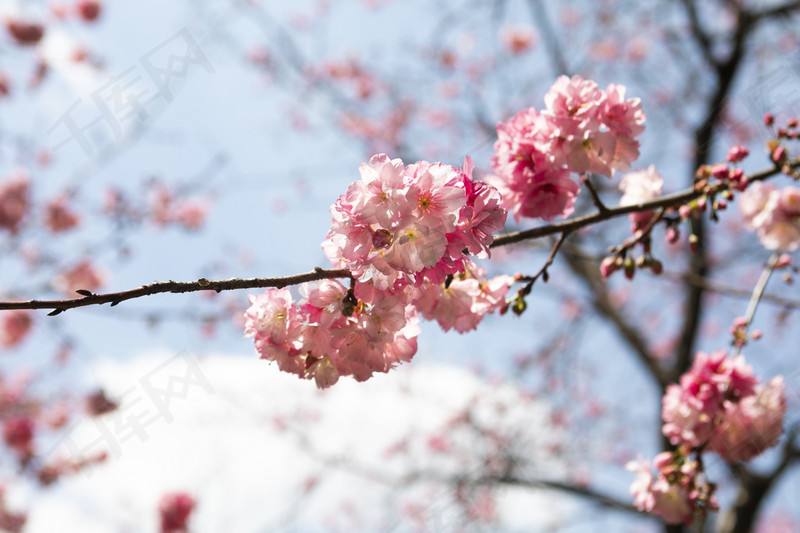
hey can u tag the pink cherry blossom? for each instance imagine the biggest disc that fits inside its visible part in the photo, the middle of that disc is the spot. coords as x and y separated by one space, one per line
83 275
659 496
59 217
518 39
639 187
14 201
174 511
401 225
573 97
581 130
623 117
191 214
18 432
689 410
774 215
751 425
333 332
14 327
463 302
88 10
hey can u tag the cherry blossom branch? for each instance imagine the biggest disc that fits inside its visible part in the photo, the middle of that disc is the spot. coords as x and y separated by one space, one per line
202 284
670 200
564 228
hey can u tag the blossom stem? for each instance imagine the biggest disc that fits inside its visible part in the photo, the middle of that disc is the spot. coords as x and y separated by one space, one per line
758 292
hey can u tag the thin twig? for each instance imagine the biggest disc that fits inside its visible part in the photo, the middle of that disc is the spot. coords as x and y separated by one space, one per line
550 258
598 203
758 292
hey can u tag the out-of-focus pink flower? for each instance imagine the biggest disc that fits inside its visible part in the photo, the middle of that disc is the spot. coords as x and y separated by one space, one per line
59 217
5 85
18 433
191 214
84 276
751 425
25 33
639 187
774 215
690 410
518 39
174 510
14 203
659 496
88 10
14 326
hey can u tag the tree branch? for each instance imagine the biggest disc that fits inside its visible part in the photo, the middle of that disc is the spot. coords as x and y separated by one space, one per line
565 228
704 139
699 33
670 200
201 284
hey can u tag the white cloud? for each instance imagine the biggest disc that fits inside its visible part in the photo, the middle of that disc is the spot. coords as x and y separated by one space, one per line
225 446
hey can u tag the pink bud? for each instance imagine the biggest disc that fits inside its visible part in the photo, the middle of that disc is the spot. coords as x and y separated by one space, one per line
656 267
684 211
769 119
720 171
673 235
737 153
757 334
742 183
778 154
783 261
608 266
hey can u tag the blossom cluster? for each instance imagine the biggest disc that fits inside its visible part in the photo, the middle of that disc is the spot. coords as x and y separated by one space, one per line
773 214
404 225
334 331
581 130
676 492
718 406
331 334
404 233
719 403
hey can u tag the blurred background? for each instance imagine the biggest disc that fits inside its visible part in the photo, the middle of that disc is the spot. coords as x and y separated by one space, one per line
156 141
